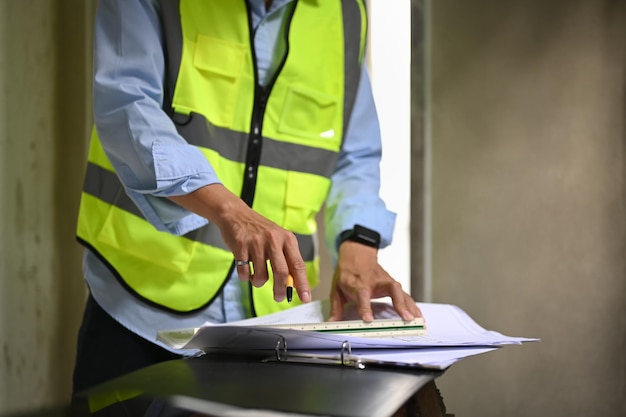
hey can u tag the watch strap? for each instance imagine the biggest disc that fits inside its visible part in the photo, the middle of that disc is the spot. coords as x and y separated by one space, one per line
360 234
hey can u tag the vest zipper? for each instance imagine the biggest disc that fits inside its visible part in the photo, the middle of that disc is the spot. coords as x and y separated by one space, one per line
255 144
255 139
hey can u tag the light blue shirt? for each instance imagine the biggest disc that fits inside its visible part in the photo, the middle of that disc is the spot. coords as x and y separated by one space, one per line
154 162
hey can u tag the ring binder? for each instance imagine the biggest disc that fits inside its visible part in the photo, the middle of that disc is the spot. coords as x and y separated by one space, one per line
345 355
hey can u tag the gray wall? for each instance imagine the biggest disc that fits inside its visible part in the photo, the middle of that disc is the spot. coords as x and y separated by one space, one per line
528 200
44 119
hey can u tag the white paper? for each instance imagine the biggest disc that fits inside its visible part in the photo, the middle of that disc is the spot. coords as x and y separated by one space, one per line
447 326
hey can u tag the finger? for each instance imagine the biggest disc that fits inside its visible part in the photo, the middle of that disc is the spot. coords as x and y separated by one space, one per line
260 274
301 284
399 300
413 307
297 269
243 268
280 272
364 306
336 306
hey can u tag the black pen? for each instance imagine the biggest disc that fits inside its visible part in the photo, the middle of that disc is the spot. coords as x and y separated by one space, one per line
289 288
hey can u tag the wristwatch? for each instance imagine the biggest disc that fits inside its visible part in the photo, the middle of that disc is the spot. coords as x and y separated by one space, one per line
360 234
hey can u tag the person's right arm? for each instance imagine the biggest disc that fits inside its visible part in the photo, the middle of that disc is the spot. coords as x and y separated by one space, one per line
151 159
170 181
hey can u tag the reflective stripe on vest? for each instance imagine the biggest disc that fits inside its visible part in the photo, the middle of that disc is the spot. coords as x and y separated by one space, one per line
277 146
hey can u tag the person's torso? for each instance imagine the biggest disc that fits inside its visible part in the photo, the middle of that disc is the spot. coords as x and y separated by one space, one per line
275 145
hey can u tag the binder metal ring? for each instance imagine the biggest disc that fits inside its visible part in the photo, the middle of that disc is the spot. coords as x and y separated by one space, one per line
346 356
281 340
345 346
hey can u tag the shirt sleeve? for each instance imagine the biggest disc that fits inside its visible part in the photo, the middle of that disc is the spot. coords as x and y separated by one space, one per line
151 159
354 194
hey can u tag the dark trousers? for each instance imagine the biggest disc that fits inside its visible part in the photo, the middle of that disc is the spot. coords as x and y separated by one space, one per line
106 349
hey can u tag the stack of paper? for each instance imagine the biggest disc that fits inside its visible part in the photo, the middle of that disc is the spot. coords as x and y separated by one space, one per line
450 335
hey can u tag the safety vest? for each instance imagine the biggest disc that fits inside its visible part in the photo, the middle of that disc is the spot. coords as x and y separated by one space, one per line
275 146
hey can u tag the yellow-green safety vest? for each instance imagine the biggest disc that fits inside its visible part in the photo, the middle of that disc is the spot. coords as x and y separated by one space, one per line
275 146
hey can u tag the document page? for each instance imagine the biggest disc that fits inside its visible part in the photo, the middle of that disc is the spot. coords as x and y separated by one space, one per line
446 326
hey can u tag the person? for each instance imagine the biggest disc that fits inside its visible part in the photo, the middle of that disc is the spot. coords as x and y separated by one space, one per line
221 130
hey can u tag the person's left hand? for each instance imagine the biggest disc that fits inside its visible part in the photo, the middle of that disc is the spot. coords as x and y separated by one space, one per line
359 278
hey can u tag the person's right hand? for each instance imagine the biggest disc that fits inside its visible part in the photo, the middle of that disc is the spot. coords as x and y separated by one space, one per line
252 237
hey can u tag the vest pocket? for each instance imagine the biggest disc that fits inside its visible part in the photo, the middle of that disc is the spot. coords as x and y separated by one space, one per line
214 88
219 56
310 114
304 196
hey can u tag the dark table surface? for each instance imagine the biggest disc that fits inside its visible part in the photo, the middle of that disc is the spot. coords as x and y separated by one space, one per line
217 384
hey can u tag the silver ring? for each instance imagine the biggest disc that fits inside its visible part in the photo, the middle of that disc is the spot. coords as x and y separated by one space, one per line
242 262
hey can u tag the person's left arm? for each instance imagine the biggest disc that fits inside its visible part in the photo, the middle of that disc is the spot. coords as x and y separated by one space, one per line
354 199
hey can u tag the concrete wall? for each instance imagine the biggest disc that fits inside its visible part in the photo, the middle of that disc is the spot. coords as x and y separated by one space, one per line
528 200
44 116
